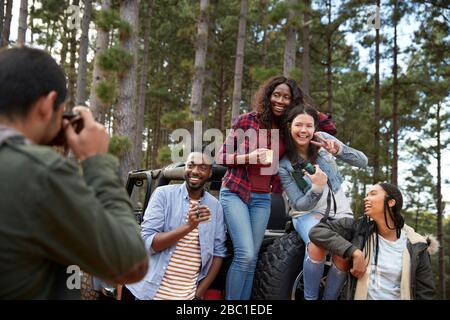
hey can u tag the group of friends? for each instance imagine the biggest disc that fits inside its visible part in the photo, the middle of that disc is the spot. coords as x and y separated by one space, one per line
53 214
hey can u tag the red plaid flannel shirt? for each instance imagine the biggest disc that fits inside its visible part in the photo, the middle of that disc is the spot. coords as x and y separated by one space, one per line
236 177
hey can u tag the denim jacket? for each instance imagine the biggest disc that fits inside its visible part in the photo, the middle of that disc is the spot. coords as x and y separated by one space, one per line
307 201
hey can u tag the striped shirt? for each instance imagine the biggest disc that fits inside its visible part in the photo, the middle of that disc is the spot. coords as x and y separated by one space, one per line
180 279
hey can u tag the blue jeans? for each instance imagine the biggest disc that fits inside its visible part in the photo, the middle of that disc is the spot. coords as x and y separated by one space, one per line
313 270
246 224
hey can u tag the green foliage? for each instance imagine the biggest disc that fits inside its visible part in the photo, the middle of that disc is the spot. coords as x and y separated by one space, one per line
118 145
164 156
115 59
260 74
106 91
108 20
177 119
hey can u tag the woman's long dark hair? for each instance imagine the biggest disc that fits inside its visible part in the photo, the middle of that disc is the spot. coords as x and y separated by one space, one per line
291 147
368 227
262 103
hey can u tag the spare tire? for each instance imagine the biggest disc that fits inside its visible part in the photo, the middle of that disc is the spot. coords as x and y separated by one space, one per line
278 268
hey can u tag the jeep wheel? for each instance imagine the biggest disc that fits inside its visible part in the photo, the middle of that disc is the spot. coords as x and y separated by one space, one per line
278 269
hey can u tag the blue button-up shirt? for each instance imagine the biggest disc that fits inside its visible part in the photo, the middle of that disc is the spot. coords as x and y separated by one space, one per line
167 210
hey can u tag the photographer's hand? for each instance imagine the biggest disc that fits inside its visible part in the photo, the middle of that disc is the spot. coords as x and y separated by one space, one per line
92 139
318 179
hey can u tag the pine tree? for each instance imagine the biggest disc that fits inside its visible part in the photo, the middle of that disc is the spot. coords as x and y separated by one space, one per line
2 13
125 114
306 75
22 22
143 83
290 47
239 61
98 103
81 95
200 61
6 24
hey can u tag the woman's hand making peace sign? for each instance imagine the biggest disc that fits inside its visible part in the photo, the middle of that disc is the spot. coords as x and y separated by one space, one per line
332 146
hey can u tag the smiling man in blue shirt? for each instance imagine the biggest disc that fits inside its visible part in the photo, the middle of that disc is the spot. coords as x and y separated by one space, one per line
184 233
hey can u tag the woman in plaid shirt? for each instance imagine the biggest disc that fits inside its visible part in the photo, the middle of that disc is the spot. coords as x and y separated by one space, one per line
251 152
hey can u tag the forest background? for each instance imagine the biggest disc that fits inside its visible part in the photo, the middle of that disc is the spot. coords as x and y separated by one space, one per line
380 68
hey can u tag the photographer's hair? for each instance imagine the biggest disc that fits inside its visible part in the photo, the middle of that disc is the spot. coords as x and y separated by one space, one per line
27 74
291 149
261 101
368 227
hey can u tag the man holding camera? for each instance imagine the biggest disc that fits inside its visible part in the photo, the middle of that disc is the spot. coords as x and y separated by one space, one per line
51 216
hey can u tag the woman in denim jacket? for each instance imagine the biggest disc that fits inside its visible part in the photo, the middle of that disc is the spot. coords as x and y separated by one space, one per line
309 200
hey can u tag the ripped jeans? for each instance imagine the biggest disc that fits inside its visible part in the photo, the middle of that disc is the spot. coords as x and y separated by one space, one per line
313 270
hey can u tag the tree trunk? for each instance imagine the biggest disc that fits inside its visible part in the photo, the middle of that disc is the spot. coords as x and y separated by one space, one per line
220 113
126 106
376 160
156 136
84 45
394 163
290 47
265 38
143 86
306 60
7 24
32 11
149 148
72 78
239 66
21 34
440 232
2 16
97 106
64 47
200 61
329 60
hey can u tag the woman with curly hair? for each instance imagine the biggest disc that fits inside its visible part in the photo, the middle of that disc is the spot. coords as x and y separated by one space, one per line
253 145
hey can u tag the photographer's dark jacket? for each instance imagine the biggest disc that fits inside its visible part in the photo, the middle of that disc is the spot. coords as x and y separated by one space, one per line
305 201
53 217
341 237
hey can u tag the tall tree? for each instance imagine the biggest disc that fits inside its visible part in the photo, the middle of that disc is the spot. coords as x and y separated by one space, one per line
2 16
394 162
143 83
440 233
377 98
290 47
81 96
200 61
21 34
72 74
126 106
306 56
98 105
6 23
329 60
239 66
